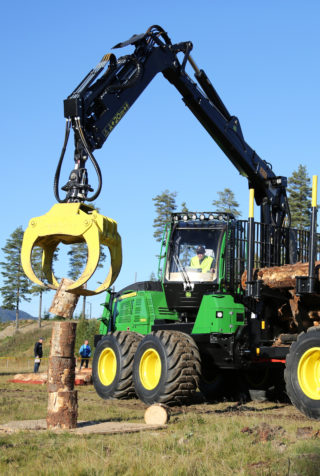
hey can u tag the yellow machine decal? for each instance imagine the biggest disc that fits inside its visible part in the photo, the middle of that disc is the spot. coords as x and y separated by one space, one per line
115 120
125 296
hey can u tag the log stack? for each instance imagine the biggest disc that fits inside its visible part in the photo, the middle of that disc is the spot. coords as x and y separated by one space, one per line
281 277
281 281
62 398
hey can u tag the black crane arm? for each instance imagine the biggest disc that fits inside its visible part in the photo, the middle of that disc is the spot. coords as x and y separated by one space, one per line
105 95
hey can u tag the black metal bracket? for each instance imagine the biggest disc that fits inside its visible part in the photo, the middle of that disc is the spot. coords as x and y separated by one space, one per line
306 285
254 289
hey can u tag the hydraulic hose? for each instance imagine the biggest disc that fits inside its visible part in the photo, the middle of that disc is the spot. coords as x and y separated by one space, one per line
58 170
93 161
129 82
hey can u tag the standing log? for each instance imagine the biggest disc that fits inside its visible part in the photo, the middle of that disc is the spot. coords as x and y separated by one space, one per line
61 374
62 398
281 277
62 410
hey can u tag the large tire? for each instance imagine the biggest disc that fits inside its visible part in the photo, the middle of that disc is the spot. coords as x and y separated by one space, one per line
266 383
166 368
112 365
218 385
302 373
212 382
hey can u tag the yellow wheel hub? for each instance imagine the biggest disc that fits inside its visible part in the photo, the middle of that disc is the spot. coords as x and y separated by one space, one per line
107 366
150 369
309 373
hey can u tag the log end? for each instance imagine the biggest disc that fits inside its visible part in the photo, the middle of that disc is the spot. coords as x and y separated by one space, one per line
157 414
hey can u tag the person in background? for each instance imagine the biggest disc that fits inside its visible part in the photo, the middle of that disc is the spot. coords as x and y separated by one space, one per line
85 352
38 353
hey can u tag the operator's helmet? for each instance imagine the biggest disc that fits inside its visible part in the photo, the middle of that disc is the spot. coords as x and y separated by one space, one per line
200 250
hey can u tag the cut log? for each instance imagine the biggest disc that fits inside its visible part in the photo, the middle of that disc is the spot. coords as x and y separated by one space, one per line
63 339
62 409
281 277
62 398
64 303
61 375
157 414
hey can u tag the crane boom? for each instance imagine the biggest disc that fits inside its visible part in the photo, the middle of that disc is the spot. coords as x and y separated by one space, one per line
105 95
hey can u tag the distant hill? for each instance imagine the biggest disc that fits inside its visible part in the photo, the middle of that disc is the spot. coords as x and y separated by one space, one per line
7 315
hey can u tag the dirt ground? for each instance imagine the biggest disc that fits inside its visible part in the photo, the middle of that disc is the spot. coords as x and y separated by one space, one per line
83 427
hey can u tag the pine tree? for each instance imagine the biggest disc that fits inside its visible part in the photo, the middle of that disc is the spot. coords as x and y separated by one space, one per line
227 203
16 286
184 208
299 198
152 277
165 204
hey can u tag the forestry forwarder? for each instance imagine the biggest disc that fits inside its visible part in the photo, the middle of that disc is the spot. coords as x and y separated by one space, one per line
160 340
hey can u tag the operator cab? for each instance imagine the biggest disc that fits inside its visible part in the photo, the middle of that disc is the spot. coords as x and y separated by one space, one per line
187 278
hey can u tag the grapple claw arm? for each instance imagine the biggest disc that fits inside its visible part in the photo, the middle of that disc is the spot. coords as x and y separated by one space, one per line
26 252
91 237
47 257
71 223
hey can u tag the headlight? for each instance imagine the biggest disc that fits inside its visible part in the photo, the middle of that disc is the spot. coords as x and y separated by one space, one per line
219 314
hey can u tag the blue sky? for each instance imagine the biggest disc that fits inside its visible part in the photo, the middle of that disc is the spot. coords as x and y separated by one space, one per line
261 56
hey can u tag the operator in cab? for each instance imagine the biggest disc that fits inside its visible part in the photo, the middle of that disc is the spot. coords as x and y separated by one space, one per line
202 261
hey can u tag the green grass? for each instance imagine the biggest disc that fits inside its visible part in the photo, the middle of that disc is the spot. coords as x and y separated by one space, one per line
22 343
258 439
222 439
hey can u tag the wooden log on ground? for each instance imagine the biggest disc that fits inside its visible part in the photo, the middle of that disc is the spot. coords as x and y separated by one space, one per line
157 414
281 277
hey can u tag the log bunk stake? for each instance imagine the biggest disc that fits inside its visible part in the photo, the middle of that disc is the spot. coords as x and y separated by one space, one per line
281 280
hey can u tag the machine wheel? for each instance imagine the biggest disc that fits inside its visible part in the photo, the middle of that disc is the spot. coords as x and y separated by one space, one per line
266 383
218 385
166 368
302 373
212 383
112 365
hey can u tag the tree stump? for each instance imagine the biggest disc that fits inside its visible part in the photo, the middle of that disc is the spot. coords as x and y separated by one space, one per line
62 398
157 414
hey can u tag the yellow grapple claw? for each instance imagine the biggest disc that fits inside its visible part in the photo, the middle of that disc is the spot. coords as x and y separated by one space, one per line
72 223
